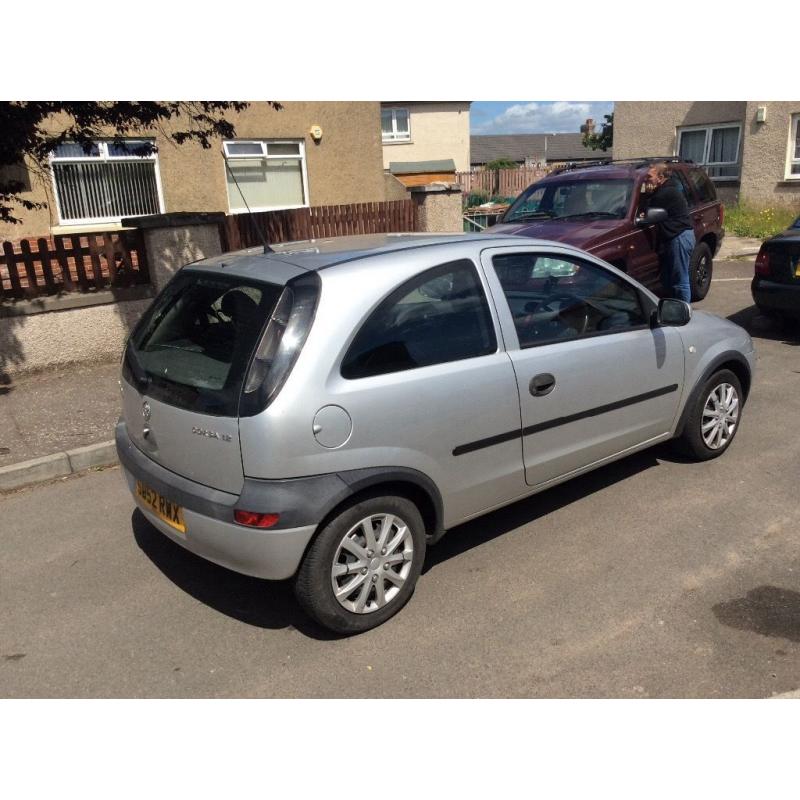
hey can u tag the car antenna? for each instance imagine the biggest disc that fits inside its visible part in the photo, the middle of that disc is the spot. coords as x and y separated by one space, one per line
267 248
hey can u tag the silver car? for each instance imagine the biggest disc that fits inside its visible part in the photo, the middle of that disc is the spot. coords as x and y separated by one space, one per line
324 412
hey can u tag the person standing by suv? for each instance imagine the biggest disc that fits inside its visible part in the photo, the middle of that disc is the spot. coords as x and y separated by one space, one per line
676 233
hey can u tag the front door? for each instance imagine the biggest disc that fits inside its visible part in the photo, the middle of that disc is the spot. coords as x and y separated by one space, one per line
594 378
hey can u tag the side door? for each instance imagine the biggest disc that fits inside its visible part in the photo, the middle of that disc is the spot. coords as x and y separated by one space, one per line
429 386
703 206
594 379
642 247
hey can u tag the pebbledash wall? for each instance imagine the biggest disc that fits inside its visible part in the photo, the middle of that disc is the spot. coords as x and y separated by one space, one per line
344 166
650 128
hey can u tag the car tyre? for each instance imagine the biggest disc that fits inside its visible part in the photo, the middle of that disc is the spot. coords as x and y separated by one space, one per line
346 559
714 418
701 268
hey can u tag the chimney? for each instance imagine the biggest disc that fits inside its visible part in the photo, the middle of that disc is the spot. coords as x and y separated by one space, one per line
588 127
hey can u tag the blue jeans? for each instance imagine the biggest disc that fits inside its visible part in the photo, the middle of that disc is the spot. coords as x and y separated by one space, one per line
675 266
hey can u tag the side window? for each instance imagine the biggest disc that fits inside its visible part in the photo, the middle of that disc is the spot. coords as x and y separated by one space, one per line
438 316
560 298
683 185
703 187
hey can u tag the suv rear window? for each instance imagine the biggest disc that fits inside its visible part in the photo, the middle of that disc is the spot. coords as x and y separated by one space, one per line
193 345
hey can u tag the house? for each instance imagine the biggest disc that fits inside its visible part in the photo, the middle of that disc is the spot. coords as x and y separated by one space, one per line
308 154
425 142
534 149
750 148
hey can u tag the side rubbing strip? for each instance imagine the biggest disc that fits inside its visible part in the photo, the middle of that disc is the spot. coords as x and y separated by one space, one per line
558 421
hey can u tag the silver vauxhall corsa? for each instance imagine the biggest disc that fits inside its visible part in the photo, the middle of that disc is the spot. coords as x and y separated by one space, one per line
325 411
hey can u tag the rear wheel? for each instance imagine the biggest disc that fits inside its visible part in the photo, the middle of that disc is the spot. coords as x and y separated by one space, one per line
701 267
362 567
714 418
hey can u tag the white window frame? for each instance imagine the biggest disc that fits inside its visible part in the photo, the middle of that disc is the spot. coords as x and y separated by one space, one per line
394 137
707 148
264 144
104 156
790 157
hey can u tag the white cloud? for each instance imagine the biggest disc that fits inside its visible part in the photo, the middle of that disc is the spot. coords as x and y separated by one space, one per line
557 117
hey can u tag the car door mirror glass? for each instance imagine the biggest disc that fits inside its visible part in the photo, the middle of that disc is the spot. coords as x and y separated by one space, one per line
673 312
652 216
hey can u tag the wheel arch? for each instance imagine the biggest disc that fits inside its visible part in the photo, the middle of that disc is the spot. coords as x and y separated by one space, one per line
730 359
402 481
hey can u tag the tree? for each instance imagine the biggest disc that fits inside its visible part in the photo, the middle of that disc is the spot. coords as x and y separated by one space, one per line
32 130
502 163
602 140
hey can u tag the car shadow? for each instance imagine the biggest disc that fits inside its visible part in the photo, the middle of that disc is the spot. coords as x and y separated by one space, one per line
271 604
767 610
262 603
760 326
484 529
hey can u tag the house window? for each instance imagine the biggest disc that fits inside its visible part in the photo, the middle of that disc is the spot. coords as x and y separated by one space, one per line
266 175
111 181
793 167
714 147
394 125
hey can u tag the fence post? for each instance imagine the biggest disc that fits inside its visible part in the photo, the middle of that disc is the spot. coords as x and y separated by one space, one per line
172 240
437 207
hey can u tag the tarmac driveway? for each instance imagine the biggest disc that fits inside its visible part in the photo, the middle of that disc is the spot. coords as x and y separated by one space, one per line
649 578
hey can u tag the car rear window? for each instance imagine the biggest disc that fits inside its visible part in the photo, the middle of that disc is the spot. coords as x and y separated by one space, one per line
193 345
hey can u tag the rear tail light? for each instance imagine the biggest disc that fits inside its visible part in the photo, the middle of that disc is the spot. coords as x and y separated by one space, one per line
721 214
281 343
762 263
253 519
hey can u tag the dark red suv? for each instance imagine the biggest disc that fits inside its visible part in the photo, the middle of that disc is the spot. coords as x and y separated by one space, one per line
595 207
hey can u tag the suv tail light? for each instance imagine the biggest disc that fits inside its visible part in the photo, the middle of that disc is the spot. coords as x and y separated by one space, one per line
762 263
721 213
280 344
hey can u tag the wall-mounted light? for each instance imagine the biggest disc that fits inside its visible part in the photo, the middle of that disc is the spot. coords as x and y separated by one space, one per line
761 114
315 132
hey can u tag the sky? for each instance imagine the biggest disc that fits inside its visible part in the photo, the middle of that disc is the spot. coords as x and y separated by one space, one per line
535 116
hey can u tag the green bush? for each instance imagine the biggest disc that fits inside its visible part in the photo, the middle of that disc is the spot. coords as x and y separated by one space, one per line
758 222
476 199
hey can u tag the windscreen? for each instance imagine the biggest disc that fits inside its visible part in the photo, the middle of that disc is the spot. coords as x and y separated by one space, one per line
572 199
193 345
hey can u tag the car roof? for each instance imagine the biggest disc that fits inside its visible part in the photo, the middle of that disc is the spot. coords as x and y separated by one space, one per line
291 259
613 170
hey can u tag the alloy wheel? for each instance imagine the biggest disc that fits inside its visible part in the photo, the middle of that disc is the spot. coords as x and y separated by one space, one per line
372 563
720 416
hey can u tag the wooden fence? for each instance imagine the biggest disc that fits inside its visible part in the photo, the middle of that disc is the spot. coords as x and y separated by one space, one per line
77 263
500 182
320 222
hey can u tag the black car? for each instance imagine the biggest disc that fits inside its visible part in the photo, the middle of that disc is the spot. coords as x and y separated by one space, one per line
776 285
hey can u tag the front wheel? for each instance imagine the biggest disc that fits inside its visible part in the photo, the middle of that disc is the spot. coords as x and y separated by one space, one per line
714 418
362 567
701 268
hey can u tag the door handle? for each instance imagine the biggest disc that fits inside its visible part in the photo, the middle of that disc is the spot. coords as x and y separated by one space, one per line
542 384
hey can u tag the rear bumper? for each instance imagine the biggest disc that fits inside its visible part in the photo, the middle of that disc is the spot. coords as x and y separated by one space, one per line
274 554
781 297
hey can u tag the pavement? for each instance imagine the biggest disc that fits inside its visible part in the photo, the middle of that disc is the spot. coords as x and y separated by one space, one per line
651 577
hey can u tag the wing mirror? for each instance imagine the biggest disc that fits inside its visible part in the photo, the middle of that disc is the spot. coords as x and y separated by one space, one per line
651 216
672 313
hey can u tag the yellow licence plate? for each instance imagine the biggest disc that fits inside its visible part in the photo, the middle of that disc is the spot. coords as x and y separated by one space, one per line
164 509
